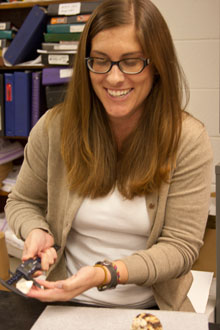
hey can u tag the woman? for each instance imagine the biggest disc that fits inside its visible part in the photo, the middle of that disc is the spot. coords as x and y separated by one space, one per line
119 172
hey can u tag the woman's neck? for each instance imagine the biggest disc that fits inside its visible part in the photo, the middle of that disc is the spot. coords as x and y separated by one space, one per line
122 128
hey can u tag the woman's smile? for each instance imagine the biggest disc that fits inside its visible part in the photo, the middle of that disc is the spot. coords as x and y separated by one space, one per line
118 93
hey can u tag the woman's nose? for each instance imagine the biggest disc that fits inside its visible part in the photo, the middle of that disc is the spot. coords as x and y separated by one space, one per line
115 75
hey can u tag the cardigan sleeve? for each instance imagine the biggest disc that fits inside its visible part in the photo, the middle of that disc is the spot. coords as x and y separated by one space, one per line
26 205
181 215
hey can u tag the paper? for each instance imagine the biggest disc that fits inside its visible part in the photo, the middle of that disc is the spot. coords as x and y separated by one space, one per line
36 62
69 9
10 150
199 291
45 51
84 318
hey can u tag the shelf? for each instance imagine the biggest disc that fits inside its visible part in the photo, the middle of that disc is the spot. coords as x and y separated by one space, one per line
17 11
3 193
14 137
21 67
28 4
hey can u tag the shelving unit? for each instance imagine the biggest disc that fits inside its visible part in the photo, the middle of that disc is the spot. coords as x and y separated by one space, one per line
25 4
16 13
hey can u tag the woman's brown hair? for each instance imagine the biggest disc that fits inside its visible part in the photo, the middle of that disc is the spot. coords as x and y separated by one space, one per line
94 164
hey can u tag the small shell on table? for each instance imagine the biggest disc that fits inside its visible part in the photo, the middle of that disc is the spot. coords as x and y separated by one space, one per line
146 321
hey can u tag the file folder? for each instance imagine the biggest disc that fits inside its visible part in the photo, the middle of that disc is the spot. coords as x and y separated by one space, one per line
9 104
22 104
38 106
2 105
28 38
56 75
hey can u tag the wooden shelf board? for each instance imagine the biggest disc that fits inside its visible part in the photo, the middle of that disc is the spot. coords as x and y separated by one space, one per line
27 4
23 67
3 193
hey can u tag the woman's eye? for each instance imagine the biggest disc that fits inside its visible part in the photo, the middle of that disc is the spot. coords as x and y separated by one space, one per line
100 62
130 62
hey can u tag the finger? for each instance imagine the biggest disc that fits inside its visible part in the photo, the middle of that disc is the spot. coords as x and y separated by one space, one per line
46 284
51 285
52 254
65 285
44 262
53 291
48 258
36 241
28 252
49 294
37 273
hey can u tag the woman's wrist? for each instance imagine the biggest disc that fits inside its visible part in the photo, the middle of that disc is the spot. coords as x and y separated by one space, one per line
122 270
102 275
113 273
105 270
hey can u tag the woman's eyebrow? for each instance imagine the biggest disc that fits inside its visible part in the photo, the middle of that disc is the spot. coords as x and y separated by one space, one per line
98 52
138 53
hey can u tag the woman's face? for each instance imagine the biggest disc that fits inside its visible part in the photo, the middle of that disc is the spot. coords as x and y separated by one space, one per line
122 95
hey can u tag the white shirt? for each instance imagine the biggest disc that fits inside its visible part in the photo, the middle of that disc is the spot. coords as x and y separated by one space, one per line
109 228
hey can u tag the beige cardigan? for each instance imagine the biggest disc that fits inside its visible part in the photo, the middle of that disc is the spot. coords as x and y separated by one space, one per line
178 212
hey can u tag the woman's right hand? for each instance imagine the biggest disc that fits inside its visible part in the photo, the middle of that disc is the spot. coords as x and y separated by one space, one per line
40 243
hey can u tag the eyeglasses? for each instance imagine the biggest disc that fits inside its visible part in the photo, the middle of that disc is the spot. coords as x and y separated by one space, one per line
127 65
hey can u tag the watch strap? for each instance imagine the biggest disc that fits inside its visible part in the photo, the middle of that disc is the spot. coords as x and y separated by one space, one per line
114 279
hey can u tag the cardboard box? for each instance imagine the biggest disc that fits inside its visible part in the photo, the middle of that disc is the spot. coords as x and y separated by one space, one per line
207 257
4 260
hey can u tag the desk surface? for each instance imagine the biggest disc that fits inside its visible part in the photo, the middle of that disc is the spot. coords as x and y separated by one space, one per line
19 313
84 318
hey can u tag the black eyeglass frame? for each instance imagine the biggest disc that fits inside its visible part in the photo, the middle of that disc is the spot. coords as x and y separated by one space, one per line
146 62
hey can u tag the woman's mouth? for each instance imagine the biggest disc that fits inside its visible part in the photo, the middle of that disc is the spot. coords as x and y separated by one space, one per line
118 93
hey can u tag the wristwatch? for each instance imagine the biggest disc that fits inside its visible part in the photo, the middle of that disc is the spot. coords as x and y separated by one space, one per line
114 280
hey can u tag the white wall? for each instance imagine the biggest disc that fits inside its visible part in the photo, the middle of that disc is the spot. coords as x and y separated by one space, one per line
195 27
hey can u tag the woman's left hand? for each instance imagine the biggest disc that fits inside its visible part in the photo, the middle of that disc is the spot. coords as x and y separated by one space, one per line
86 278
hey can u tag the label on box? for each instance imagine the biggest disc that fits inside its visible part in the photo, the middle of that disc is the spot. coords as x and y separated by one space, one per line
58 59
2 26
66 73
69 8
65 47
83 18
77 28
